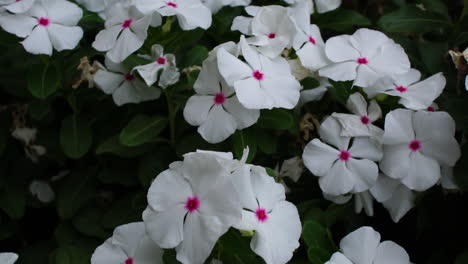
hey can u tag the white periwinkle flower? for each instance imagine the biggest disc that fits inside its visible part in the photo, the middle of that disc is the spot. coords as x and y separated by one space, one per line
125 32
363 246
17 6
416 144
359 123
364 57
163 68
315 94
47 25
97 5
128 245
414 94
42 190
261 82
322 6
275 221
216 5
190 13
124 86
311 49
191 205
345 168
8 258
215 108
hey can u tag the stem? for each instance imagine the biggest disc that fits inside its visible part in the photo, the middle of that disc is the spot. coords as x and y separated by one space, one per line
172 114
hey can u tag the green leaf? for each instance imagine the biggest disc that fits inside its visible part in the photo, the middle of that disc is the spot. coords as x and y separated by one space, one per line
142 129
38 109
319 242
432 54
276 119
340 91
341 20
149 168
125 210
113 145
310 83
169 257
75 136
88 222
13 198
43 80
436 6
195 56
235 249
75 190
412 19
71 255
243 139
267 141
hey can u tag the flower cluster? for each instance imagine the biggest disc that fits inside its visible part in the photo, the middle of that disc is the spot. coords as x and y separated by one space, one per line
193 203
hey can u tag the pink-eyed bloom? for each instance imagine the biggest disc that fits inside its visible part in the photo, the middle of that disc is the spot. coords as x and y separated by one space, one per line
129 244
345 167
215 108
359 123
162 67
322 6
416 144
275 221
191 205
260 82
364 57
311 49
17 6
124 86
414 94
190 13
47 25
125 32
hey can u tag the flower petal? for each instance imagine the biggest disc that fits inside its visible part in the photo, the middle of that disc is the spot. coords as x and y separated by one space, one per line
165 228
389 252
319 157
64 38
38 42
424 172
197 108
361 245
218 126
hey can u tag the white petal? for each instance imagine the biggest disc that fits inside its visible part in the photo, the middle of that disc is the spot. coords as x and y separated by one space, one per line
424 172
169 76
63 12
251 95
149 72
361 245
42 190
338 180
194 16
251 56
357 105
107 253
168 190
313 56
107 81
340 49
330 131
400 203
126 44
327 5
277 238
20 6
389 252
231 68
319 157
364 174
125 94
267 191
242 24
148 252
338 258
243 116
345 71
165 228
20 25
128 237
392 60
284 92
399 127
197 108
38 42
352 125
448 181
421 95
396 161
218 126
366 76
364 200
384 188
106 38
64 38
365 148
374 111
369 49
408 78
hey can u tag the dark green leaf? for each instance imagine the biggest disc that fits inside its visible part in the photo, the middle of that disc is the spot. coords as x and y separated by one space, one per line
276 119
243 139
75 136
341 20
142 129
412 19
43 80
195 56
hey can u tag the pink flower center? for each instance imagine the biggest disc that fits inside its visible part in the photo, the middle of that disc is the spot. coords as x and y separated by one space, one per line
362 60
18 1
129 77
161 60
344 155
431 109
129 261
172 4
261 214
192 204
272 35
415 145
127 23
401 89
219 99
258 75
43 21
365 120
312 40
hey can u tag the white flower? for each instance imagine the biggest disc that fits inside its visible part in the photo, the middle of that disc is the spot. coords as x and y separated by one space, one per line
414 94
8 258
416 144
123 85
311 49
216 5
42 191
322 6
363 246
362 200
164 63
96 5
47 25
243 23
394 196
190 13
28 137
128 245
346 168
364 57
125 32
17 6
315 94
359 124
261 82
273 30
447 181
292 168
191 205
214 107
275 221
